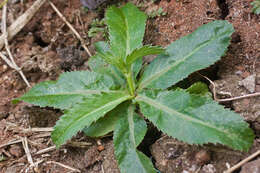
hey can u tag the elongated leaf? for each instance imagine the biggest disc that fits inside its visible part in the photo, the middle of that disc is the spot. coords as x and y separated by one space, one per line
125 31
70 88
102 47
143 51
104 52
256 6
105 124
136 67
195 119
84 114
193 52
125 143
97 64
199 88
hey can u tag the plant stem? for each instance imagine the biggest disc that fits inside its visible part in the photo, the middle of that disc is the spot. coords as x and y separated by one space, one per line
131 84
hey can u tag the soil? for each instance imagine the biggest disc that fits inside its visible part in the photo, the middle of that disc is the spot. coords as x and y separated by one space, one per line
46 47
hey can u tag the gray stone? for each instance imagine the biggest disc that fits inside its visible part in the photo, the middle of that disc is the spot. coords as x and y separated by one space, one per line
209 168
251 167
249 83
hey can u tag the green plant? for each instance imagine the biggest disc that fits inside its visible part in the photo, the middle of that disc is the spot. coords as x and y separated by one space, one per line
2 158
109 97
157 13
3 3
256 6
96 27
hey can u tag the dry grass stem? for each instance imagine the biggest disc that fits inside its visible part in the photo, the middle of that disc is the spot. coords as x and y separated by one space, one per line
11 143
21 21
42 135
64 166
228 99
230 170
10 62
27 151
78 144
45 150
239 97
6 153
43 129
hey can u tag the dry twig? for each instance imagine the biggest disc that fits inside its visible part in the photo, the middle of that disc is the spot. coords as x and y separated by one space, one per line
36 129
21 21
230 170
10 143
45 150
71 27
228 99
239 97
64 166
10 61
27 151
42 135
6 153
78 144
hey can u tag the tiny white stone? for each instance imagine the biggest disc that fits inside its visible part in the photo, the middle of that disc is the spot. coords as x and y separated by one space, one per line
249 83
4 67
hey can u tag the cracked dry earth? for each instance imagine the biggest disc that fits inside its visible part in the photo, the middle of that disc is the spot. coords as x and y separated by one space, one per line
46 47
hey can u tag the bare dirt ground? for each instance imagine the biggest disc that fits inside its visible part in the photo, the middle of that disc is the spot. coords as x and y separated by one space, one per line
46 47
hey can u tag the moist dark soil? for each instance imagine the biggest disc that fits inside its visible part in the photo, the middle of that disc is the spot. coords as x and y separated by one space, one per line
46 47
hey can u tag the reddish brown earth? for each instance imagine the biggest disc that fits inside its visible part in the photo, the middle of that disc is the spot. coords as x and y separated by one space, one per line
46 47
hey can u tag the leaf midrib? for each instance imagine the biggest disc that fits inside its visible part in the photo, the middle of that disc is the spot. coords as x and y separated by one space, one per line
127 38
130 118
158 74
181 115
119 100
84 92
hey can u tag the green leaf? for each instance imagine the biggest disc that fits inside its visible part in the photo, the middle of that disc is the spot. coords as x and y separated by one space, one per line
102 47
128 157
136 67
97 64
84 114
193 52
199 88
105 124
104 52
143 51
256 6
125 31
70 88
195 119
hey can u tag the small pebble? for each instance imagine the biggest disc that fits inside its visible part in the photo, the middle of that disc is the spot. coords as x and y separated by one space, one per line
251 167
238 72
4 68
100 148
202 157
249 83
209 169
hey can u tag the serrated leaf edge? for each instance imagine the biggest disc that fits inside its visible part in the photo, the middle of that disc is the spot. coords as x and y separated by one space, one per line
183 116
149 80
59 141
